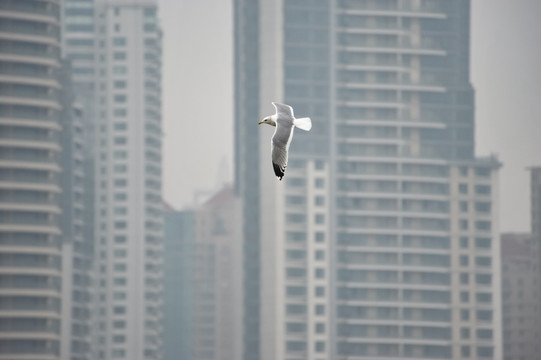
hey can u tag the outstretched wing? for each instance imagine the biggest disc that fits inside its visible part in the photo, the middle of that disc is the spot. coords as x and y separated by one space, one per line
280 145
279 160
284 111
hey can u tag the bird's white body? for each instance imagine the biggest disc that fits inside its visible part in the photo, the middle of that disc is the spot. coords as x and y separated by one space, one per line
285 122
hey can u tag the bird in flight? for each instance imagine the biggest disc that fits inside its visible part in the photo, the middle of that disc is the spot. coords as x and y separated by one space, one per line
285 123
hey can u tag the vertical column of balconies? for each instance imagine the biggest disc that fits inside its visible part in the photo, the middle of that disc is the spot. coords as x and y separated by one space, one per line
30 243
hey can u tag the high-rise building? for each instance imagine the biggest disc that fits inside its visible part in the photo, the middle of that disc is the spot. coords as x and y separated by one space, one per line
77 239
30 192
382 240
115 48
179 239
216 279
520 297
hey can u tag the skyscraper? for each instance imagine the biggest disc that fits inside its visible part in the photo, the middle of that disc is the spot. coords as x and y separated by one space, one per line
30 179
520 297
382 239
179 238
115 47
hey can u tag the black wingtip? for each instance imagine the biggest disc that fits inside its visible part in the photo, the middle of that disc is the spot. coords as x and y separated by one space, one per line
278 171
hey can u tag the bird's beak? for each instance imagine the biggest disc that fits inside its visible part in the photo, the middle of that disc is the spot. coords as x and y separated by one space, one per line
259 123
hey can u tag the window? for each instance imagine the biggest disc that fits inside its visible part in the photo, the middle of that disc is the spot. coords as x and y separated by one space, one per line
464 296
463 171
117 55
463 242
119 98
320 219
120 253
120 239
320 183
119 310
121 182
483 279
483 261
320 328
320 273
121 196
120 126
463 188
464 206
121 169
120 112
320 346
119 339
464 278
295 327
319 255
320 309
320 291
120 225
320 237
320 165
295 309
465 351
319 200
293 346
483 243
120 267
463 224
484 297
464 333
464 260
483 225
482 189
119 70
118 353
464 315
120 140
119 84
119 281
119 41
120 154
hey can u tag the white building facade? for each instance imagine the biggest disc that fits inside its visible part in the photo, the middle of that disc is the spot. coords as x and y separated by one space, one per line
115 47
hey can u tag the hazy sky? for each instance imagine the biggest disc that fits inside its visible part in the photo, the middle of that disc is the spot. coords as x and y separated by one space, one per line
198 96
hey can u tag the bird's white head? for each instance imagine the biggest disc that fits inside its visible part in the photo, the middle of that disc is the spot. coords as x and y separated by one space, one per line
268 120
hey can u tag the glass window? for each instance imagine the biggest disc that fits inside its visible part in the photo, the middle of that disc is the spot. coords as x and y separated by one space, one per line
119 41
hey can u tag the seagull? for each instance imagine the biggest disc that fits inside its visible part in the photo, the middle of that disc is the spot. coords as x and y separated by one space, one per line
285 123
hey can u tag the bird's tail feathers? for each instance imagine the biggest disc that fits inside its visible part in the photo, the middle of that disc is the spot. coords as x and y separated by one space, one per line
303 123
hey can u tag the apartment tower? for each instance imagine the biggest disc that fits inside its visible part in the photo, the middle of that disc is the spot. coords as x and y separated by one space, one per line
382 239
30 180
115 49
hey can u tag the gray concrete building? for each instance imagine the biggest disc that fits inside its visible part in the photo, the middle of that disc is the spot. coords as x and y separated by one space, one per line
30 179
520 297
382 239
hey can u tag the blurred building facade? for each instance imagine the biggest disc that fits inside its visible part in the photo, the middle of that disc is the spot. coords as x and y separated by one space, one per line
382 240
520 297
179 238
30 180
77 229
203 280
115 49
216 279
